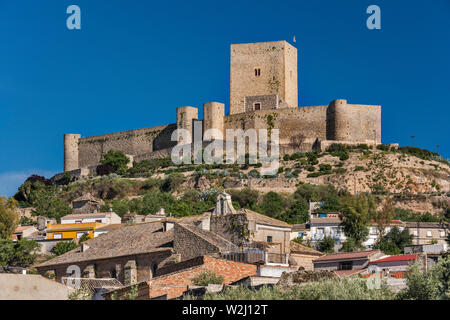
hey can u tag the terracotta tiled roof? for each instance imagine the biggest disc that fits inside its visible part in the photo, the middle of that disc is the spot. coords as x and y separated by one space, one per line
128 240
111 227
395 222
22 228
347 256
263 219
299 227
347 273
299 248
436 225
402 257
86 215
327 220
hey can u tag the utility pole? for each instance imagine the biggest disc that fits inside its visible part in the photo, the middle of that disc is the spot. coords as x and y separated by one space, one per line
412 137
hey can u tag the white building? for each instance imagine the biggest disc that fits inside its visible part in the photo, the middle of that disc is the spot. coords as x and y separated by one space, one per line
104 218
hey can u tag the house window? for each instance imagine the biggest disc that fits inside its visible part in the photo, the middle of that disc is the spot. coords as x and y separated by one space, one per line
269 239
429 234
99 221
78 221
257 106
257 72
442 234
57 236
415 233
348 265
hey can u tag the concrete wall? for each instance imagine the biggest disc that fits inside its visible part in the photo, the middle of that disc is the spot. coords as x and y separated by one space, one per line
31 287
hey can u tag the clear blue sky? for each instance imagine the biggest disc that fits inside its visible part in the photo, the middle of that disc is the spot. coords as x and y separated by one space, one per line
133 62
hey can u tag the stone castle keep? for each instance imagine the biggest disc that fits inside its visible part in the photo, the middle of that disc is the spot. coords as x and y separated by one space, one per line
263 95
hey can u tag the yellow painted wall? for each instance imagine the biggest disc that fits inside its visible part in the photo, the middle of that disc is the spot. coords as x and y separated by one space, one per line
70 230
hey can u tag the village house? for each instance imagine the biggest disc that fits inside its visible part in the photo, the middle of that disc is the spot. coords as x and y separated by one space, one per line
25 232
130 254
244 227
99 217
428 232
174 280
71 230
302 256
326 227
133 218
374 233
346 260
392 266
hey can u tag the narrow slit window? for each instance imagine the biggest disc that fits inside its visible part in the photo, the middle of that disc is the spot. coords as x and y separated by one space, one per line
257 72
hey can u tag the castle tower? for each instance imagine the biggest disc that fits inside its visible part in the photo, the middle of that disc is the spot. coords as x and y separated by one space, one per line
71 151
213 117
185 120
263 68
339 120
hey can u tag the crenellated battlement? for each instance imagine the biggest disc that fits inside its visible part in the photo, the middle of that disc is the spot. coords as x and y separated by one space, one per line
263 95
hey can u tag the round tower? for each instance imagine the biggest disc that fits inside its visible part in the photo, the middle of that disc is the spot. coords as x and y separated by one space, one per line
71 151
185 119
213 117
339 109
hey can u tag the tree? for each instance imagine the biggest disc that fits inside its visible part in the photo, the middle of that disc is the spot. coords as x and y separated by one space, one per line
356 212
394 241
46 203
19 254
247 197
9 219
272 204
326 245
384 216
297 212
351 245
116 158
63 247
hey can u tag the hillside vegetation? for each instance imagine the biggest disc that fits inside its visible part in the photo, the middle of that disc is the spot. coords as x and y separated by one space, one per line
417 180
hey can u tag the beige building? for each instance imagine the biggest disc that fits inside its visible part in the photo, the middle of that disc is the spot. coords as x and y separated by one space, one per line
302 256
428 232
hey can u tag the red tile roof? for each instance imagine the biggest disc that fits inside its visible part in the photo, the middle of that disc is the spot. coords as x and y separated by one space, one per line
346 255
403 257
347 273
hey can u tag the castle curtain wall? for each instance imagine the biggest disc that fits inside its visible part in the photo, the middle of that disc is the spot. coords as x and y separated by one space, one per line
133 142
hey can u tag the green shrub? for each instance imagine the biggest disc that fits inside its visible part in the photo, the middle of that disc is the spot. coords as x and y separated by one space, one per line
349 288
207 277
254 173
116 158
325 167
63 247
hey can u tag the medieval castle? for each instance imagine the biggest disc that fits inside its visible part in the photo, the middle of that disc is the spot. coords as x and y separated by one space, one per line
263 95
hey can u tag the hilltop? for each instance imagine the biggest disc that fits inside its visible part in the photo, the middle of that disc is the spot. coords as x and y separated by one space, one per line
416 179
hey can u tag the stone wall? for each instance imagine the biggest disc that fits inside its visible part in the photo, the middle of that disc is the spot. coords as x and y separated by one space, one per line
133 142
175 284
190 245
277 65
115 267
232 227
